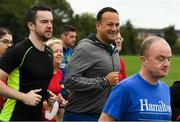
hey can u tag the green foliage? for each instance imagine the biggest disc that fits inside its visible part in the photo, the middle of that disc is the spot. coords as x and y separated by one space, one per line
170 35
85 25
133 64
129 35
12 15
176 48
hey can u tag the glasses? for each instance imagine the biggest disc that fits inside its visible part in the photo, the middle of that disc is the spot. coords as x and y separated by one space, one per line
5 41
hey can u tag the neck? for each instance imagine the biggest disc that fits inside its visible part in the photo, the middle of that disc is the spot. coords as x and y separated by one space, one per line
65 46
37 42
101 39
148 77
55 67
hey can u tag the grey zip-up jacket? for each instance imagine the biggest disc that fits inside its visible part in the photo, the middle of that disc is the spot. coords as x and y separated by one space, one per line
90 63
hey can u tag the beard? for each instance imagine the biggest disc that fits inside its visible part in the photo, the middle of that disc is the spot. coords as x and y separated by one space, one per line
71 45
43 37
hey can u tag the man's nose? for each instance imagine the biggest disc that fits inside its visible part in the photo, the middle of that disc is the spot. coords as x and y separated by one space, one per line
50 24
166 62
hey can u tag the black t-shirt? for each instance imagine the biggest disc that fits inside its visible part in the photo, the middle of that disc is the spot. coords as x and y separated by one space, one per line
175 101
28 69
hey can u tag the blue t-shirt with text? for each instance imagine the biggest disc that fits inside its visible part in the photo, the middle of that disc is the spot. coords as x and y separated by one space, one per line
136 99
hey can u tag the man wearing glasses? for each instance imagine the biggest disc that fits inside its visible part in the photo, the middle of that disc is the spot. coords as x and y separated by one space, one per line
5 40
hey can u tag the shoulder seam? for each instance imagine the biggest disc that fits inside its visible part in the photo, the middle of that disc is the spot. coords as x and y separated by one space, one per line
25 56
49 50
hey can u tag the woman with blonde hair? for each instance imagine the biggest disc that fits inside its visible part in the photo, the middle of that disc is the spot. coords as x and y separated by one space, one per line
55 45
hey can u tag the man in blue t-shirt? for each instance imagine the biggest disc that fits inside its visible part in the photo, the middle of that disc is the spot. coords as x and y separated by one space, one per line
68 36
143 96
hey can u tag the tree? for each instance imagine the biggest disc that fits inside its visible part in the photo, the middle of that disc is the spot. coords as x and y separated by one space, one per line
170 35
85 24
12 15
130 43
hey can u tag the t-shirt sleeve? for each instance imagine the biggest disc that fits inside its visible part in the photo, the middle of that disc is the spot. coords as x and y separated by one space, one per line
117 102
9 60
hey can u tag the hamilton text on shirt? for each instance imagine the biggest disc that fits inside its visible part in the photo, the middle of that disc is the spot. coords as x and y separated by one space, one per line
159 107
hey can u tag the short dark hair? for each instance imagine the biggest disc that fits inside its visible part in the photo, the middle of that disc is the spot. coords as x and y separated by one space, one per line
31 13
67 28
4 31
102 11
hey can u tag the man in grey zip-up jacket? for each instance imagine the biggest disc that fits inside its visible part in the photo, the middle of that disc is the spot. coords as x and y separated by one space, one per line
93 70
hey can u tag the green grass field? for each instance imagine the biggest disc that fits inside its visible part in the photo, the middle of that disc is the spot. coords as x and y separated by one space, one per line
132 64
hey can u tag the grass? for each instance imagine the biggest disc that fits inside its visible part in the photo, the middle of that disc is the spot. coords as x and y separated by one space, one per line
132 64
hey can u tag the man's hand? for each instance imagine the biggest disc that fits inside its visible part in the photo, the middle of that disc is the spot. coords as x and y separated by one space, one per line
32 98
62 102
52 98
113 78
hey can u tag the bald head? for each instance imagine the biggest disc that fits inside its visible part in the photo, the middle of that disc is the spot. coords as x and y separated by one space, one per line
149 41
155 57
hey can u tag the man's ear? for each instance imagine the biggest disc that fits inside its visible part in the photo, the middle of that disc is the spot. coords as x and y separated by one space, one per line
143 60
63 36
98 25
30 25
